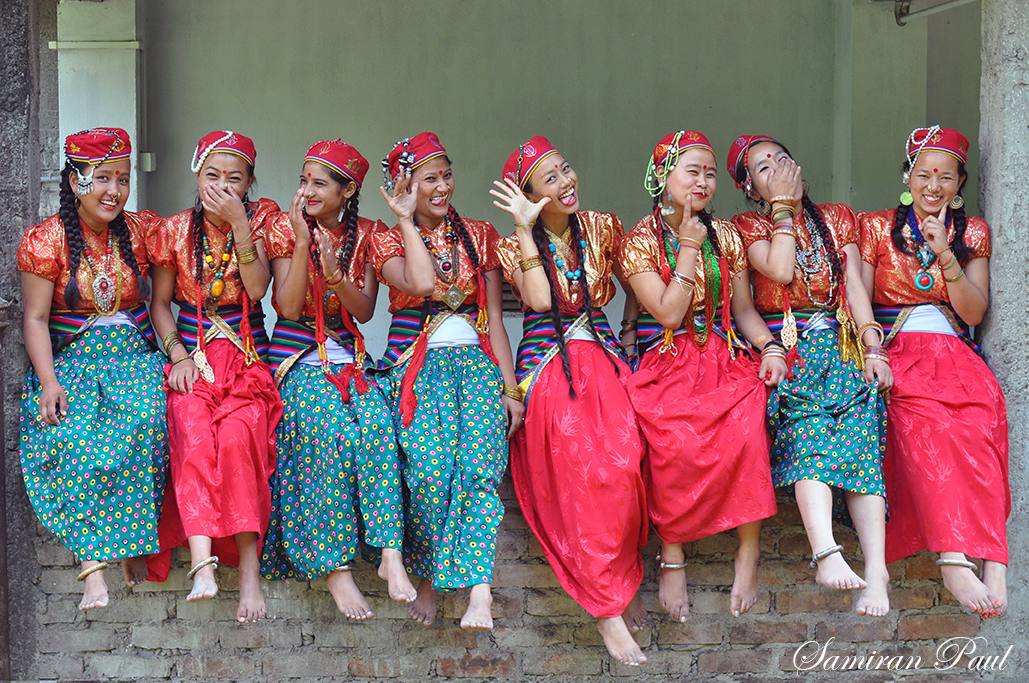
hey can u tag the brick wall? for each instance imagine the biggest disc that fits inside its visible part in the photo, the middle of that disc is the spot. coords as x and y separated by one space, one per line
154 633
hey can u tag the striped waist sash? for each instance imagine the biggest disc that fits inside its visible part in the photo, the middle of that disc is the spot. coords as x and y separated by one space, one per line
407 324
892 319
292 339
226 319
65 326
649 330
539 342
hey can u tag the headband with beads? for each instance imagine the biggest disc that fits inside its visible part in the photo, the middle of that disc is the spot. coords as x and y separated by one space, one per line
930 132
85 183
198 158
404 162
656 177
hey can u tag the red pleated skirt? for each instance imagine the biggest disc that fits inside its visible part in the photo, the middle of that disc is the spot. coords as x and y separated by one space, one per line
576 471
702 414
222 453
946 463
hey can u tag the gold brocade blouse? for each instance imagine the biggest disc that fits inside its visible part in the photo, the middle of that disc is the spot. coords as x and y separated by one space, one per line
603 235
44 252
388 243
280 241
842 224
644 252
895 272
171 246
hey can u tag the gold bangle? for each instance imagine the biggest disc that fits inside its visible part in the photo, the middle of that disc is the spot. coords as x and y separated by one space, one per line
527 264
784 231
186 357
246 254
696 244
523 225
171 339
98 567
956 277
948 264
784 199
875 326
329 279
514 392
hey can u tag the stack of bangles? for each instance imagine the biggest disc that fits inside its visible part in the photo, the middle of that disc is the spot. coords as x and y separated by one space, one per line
527 264
683 281
689 243
514 392
876 351
246 254
948 264
171 340
628 326
333 283
774 349
783 214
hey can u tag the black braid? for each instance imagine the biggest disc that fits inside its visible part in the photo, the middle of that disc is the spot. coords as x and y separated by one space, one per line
542 246
69 214
350 236
197 226
961 250
712 235
580 255
835 265
313 250
121 231
466 239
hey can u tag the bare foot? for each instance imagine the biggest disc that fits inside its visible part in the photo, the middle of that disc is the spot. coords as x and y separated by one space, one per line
392 570
479 616
423 608
745 585
834 572
995 576
968 589
874 600
134 569
672 593
204 585
347 595
619 641
94 593
635 615
251 597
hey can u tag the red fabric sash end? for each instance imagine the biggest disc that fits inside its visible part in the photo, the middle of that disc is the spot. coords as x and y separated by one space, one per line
408 400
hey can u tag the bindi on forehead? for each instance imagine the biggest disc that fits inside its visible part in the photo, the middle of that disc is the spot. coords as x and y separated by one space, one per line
769 156
117 173
936 170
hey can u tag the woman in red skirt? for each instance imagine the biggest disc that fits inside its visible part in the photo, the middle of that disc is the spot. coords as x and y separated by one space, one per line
699 396
222 402
576 463
927 266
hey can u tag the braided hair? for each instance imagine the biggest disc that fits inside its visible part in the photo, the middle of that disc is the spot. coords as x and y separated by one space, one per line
539 237
69 215
962 251
349 220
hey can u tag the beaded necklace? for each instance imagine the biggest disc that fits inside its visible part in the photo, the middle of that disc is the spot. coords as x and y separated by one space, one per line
712 279
447 266
925 254
563 267
217 287
106 293
812 261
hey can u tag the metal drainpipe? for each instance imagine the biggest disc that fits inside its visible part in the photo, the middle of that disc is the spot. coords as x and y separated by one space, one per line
902 9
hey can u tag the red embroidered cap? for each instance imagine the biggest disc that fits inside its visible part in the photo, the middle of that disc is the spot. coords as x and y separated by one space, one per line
413 152
223 142
527 158
946 140
689 139
97 145
340 157
738 152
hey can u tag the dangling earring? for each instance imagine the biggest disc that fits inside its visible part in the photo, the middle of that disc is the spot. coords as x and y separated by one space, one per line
198 204
805 187
957 202
763 207
342 212
906 199
668 209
